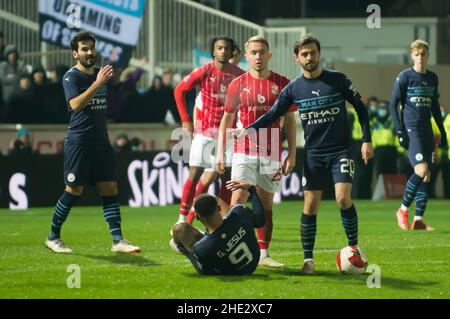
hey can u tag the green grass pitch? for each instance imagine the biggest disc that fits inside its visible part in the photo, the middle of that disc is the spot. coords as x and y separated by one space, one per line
413 264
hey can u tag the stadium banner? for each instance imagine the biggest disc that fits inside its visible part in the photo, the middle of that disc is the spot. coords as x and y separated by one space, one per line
145 179
116 24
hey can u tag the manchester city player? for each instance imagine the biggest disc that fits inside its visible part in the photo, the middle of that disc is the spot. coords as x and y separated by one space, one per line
88 155
229 246
320 96
416 90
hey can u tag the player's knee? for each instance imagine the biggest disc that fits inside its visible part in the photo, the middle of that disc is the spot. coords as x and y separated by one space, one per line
195 173
421 170
74 190
311 208
343 201
178 229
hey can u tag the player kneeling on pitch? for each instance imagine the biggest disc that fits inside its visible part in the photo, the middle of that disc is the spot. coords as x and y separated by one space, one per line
229 246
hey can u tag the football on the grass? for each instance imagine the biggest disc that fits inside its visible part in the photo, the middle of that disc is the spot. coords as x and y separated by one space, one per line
351 260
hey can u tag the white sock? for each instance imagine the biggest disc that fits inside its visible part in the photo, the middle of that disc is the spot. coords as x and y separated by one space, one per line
264 253
308 259
403 207
418 218
181 219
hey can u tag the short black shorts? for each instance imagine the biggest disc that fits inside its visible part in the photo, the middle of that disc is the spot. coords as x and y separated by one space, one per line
421 147
317 169
88 164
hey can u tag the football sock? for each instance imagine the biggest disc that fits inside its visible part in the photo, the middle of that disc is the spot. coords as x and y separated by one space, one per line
411 188
111 212
264 253
422 199
350 222
187 198
62 209
308 228
265 232
200 189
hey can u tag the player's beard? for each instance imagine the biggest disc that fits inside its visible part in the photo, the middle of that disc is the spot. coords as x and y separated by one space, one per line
88 61
311 66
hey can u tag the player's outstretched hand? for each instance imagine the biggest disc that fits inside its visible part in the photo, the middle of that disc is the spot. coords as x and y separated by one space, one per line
366 152
238 133
236 184
277 176
104 74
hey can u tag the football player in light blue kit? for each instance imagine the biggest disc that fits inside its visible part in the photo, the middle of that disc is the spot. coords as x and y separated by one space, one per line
416 90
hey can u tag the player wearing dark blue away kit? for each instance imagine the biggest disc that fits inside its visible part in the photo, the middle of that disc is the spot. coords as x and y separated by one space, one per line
88 155
230 246
416 90
320 96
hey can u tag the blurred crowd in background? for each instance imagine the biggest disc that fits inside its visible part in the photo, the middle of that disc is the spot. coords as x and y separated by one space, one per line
34 95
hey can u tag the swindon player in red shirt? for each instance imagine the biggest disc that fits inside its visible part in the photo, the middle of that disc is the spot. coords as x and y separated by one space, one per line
213 79
257 158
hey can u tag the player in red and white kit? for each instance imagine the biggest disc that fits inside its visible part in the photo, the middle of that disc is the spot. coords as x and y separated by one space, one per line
257 158
208 175
213 79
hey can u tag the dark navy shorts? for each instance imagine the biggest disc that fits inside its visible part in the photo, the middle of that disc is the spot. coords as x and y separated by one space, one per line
318 168
421 147
88 164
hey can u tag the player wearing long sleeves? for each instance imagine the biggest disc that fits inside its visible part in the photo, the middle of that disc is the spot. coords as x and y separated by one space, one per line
213 79
320 96
229 246
416 90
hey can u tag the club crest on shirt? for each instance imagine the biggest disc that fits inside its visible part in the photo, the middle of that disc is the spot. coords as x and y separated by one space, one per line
275 90
261 99
223 88
71 177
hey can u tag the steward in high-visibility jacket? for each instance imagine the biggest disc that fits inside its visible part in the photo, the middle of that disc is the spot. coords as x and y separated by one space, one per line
384 141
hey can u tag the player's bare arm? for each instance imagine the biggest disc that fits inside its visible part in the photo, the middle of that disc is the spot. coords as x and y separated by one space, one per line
227 121
81 101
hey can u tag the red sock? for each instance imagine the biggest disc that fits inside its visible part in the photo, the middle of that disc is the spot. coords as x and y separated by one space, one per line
200 189
225 194
265 232
191 216
187 198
